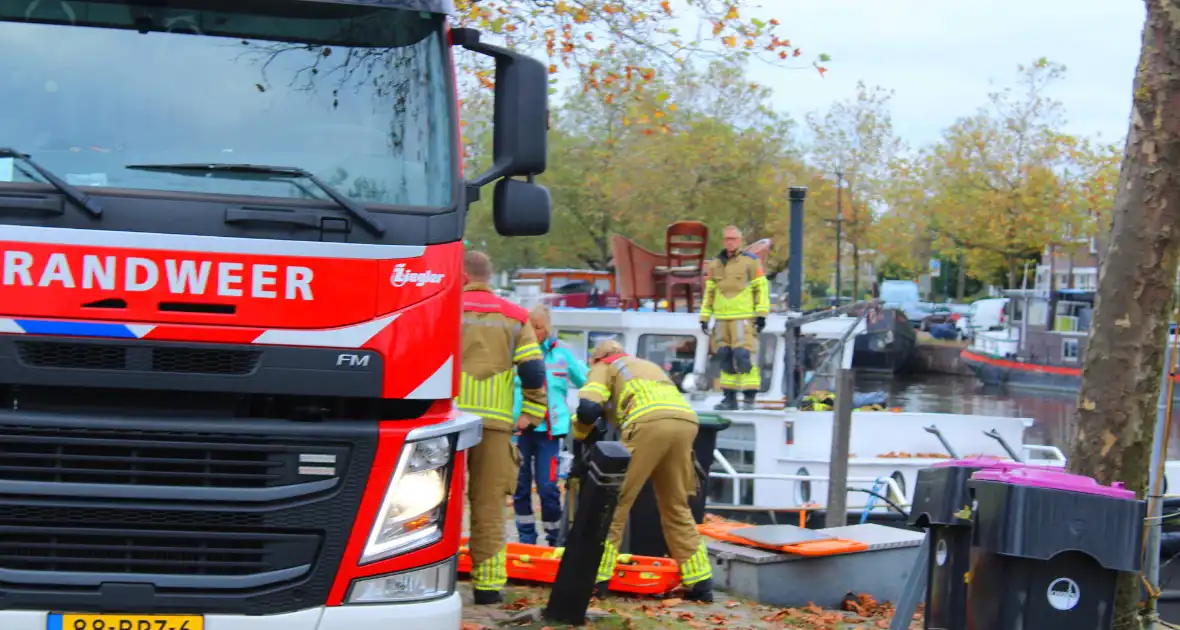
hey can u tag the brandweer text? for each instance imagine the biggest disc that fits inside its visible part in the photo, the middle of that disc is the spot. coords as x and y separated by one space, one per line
182 277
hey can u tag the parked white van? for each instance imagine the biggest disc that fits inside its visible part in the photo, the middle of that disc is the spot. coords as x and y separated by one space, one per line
985 314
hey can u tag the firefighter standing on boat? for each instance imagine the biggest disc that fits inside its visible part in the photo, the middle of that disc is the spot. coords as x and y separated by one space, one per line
496 338
737 297
658 426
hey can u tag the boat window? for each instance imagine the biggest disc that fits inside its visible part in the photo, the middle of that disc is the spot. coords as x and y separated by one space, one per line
675 353
720 490
576 340
1038 313
766 360
898 479
1015 310
1073 316
802 488
595 337
1069 350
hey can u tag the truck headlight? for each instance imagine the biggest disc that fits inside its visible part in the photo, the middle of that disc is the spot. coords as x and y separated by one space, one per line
433 582
411 515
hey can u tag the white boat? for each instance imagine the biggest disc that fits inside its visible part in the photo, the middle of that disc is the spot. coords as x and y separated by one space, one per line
777 458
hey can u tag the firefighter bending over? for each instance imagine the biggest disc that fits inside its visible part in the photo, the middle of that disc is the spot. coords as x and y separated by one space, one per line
737 296
496 338
658 427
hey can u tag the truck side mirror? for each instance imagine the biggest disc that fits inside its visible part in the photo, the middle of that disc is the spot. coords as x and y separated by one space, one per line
520 139
520 208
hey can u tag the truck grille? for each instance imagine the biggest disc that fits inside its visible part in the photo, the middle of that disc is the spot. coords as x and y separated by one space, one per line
162 552
145 457
258 543
105 356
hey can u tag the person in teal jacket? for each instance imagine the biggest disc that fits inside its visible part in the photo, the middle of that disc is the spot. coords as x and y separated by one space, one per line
540 446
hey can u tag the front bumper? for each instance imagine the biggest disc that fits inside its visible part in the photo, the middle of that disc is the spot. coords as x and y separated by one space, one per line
440 614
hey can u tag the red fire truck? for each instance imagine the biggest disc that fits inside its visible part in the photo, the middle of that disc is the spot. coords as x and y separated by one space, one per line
230 278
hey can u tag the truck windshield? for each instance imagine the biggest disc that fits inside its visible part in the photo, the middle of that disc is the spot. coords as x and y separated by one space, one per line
361 96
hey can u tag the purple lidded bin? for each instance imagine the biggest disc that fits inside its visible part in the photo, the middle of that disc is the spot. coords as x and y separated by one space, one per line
988 463
1054 479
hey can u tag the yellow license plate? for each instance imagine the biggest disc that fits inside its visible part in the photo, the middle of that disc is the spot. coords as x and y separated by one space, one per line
118 621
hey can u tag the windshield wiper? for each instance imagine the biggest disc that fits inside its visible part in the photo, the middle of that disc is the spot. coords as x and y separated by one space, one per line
353 208
70 191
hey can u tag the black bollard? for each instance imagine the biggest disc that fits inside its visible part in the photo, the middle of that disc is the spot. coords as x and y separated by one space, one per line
606 466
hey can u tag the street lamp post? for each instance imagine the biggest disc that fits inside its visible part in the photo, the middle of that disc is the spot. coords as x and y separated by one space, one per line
839 223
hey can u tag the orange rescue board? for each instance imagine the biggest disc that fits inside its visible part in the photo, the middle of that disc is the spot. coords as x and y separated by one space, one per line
640 575
724 532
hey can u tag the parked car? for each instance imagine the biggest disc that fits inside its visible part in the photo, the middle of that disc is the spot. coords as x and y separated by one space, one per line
939 314
985 314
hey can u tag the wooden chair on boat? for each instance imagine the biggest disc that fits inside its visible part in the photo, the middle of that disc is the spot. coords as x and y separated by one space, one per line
641 274
634 271
685 245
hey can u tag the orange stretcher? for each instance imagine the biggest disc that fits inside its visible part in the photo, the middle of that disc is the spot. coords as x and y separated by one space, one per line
724 531
640 575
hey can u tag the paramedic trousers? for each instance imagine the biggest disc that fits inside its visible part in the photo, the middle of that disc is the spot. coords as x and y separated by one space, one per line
492 464
538 455
735 344
661 450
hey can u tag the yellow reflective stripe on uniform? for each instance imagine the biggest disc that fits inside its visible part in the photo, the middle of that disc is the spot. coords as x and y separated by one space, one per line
762 289
750 380
697 568
527 352
606 566
487 398
491 574
596 388
648 396
731 381
532 408
740 306
707 303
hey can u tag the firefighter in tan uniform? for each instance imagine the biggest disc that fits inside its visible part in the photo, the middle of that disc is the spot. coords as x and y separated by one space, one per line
658 427
737 296
496 339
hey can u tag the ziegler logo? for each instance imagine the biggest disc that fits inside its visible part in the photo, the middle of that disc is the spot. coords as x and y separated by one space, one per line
400 277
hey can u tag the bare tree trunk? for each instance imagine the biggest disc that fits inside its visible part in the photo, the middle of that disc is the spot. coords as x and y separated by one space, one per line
1069 278
854 237
961 284
1111 433
855 272
1052 268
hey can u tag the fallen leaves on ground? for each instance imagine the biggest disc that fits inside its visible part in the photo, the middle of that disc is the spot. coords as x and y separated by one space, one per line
859 611
865 606
521 603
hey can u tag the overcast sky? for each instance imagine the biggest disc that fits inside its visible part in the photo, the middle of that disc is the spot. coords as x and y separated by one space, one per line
939 56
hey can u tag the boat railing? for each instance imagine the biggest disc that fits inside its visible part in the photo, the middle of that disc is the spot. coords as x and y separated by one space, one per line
895 493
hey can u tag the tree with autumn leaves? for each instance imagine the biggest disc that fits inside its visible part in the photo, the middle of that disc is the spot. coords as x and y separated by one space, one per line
654 122
999 186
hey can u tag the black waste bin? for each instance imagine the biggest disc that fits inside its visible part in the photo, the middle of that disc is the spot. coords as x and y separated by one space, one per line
942 507
644 536
1047 547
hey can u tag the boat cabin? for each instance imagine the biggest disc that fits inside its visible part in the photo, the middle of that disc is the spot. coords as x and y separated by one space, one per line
675 341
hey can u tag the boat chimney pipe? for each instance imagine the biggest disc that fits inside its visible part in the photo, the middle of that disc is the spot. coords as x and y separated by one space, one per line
795 266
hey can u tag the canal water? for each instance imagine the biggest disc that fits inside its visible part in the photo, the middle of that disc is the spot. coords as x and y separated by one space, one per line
938 393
